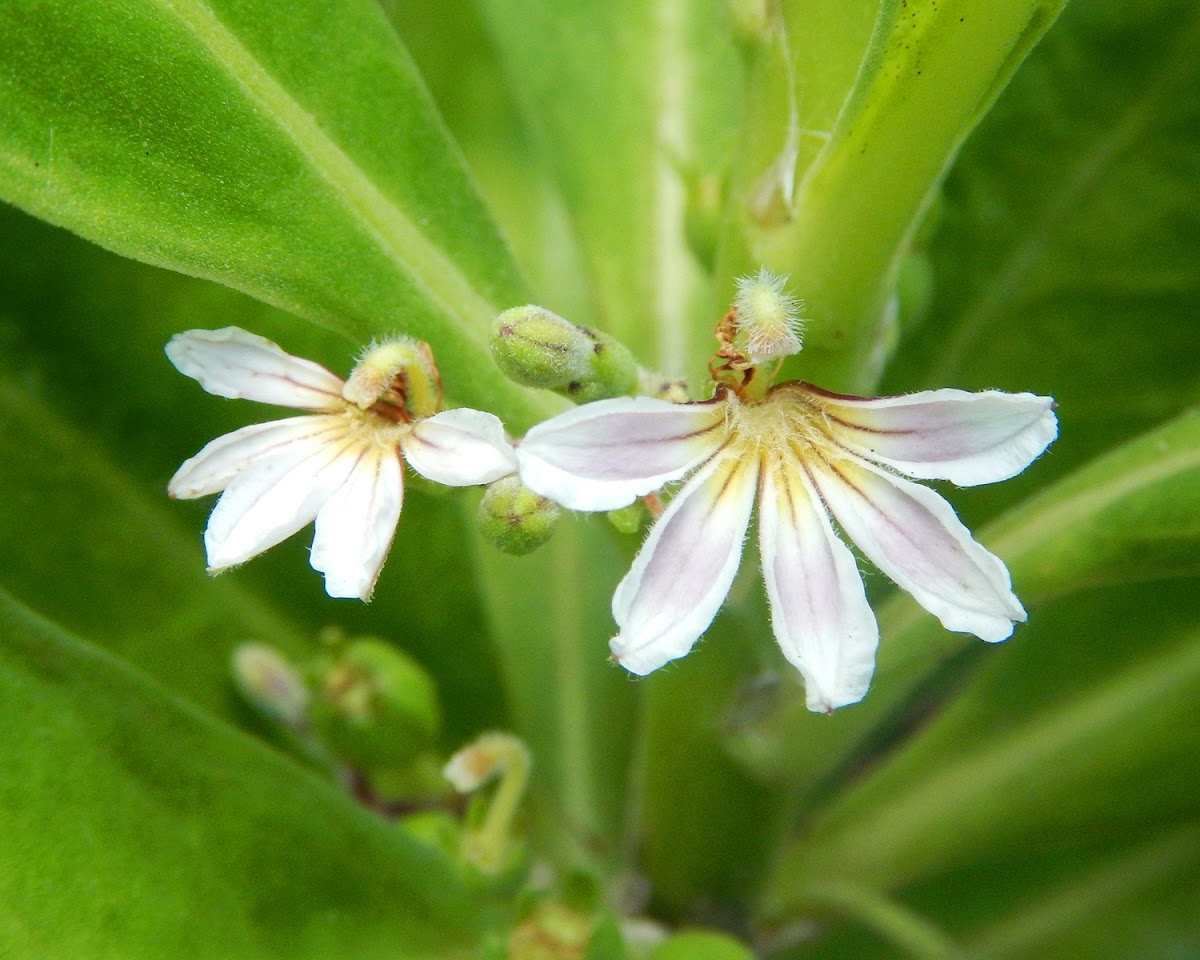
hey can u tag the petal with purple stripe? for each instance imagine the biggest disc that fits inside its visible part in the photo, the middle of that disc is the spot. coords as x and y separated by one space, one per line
606 454
460 448
967 438
914 536
354 528
681 576
276 496
819 610
243 366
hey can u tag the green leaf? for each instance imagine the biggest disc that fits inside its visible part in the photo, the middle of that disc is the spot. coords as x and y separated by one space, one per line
289 151
449 42
136 827
1126 900
1133 514
1053 741
1065 260
87 547
629 102
912 91
1144 902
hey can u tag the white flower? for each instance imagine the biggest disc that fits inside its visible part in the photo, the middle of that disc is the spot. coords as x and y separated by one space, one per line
341 467
806 455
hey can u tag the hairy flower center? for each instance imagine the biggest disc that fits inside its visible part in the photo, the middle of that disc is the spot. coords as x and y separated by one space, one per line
785 425
371 427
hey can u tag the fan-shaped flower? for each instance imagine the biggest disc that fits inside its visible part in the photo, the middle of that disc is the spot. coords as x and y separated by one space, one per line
341 466
808 457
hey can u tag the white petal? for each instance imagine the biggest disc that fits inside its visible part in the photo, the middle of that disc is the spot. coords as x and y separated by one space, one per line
606 454
356 525
233 363
212 469
968 438
681 576
276 496
819 610
460 448
913 536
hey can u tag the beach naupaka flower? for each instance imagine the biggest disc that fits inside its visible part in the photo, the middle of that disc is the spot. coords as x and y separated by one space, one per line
342 466
808 458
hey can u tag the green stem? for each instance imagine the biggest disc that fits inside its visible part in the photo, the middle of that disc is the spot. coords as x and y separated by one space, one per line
927 74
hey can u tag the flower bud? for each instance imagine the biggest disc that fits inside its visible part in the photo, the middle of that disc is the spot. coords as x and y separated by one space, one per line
271 684
674 389
551 931
538 348
376 708
514 519
489 843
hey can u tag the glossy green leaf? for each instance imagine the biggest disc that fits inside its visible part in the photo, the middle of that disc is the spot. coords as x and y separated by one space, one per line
1132 515
629 102
449 42
1140 903
288 151
133 826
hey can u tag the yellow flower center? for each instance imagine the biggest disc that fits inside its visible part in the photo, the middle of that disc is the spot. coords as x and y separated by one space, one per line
787 424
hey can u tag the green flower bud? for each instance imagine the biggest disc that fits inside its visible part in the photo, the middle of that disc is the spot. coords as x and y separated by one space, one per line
514 518
376 708
700 945
271 684
538 348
